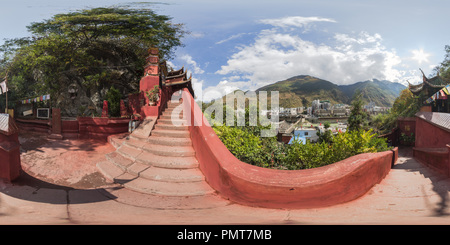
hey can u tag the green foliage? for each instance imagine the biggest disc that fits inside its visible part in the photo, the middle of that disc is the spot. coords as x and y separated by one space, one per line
407 139
326 136
153 94
113 97
405 105
444 67
244 145
267 152
357 117
344 145
301 90
94 47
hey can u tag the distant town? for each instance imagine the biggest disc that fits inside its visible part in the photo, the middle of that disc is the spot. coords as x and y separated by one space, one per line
323 108
302 123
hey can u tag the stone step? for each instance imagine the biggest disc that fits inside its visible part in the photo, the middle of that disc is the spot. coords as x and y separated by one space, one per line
171 127
173 104
135 142
170 117
170 133
171 122
119 160
109 170
117 140
129 151
144 128
170 141
173 108
168 188
173 175
166 174
167 162
164 150
137 168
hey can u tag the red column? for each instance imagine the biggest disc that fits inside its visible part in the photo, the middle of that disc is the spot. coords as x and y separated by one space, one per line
10 167
149 80
448 160
105 109
56 124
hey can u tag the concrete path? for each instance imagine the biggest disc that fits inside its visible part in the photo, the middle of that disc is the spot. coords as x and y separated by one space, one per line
47 193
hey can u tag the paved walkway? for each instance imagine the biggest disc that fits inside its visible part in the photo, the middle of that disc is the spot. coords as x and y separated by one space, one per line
61 185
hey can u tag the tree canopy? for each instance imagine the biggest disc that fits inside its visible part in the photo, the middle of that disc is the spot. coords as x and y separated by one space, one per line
357 117
92 48
444 67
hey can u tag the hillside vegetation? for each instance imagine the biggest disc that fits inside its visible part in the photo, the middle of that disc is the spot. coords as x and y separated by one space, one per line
302 90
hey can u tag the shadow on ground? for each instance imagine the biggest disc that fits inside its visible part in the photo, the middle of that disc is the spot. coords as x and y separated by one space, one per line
41 155
440 183
29 188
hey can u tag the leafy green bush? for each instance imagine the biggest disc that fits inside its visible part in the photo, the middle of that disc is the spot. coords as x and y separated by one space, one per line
344 145
244 145
113 97
248 147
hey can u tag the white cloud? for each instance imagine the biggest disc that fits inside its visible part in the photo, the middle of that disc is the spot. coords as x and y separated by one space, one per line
197 34
221 89
277 54
231 38
361 38
294 21
197 86
193 65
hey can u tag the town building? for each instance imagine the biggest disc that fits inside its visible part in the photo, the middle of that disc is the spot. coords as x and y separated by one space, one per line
303 134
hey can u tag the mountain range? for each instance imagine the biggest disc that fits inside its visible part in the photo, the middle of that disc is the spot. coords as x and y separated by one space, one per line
302 90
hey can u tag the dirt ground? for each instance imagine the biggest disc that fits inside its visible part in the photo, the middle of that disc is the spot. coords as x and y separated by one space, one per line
67 163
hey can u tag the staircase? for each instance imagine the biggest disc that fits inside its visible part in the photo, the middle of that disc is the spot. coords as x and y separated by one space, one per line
163 164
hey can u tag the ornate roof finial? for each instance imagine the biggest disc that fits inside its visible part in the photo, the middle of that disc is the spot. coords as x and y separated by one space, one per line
423 74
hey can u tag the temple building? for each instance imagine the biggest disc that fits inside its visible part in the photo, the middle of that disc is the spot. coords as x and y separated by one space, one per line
427 91
175 79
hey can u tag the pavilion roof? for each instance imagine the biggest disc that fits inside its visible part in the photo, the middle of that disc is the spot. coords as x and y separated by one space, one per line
436 82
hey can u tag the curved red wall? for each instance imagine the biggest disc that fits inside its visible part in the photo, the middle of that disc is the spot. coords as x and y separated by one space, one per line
251 185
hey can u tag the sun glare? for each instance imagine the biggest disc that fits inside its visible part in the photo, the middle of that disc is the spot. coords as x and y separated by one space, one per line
420 56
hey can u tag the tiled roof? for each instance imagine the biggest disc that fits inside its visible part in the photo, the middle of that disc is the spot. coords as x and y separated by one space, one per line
7 125
439 119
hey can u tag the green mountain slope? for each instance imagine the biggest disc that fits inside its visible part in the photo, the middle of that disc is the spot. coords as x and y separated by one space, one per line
302 90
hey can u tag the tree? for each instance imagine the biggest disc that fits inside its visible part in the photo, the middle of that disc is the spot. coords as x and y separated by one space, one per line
444 67
327 135
93 49
357 116
113 98
405 105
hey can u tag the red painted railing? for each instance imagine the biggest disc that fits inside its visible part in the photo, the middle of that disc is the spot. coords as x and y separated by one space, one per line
251 185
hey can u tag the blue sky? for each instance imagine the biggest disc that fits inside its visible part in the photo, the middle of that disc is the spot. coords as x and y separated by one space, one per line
248 44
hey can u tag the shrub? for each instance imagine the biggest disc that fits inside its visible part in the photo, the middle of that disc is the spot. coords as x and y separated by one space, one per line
113 97
244 145
344 145
248 147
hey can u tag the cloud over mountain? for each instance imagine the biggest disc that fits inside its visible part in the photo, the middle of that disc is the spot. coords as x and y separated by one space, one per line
283 50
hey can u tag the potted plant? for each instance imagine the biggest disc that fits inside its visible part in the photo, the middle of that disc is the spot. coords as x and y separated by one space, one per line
153 95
